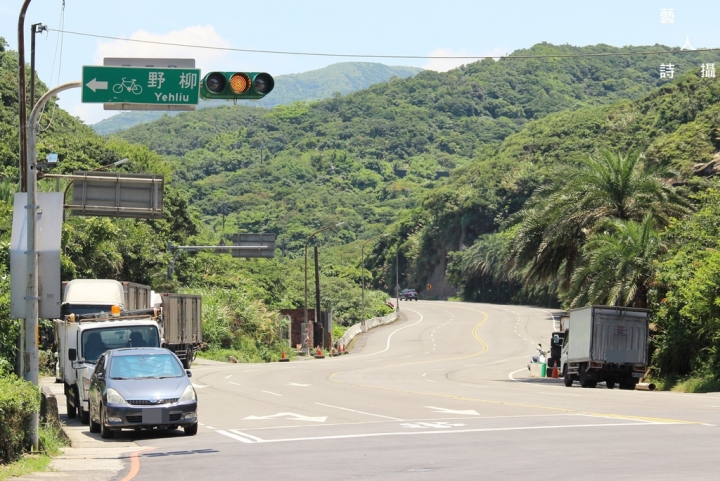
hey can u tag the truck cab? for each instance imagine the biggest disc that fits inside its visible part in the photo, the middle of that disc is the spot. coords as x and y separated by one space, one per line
83 342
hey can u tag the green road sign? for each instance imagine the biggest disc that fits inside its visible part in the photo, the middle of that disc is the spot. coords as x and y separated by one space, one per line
140 85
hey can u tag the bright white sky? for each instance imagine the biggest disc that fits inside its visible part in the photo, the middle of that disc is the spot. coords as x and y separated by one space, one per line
368 27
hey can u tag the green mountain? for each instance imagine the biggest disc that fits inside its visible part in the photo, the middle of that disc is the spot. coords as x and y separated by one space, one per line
380 156
318 84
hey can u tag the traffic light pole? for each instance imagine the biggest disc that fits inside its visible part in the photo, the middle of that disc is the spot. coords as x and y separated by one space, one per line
32 291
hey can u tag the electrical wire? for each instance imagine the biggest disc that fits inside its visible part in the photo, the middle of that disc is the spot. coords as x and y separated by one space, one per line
59 44
460 57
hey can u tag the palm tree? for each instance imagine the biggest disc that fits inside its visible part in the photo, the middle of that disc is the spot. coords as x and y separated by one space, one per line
578 201
617 265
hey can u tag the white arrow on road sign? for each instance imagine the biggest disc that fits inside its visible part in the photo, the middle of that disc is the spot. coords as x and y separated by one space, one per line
95 84
436 425
297 417
469 412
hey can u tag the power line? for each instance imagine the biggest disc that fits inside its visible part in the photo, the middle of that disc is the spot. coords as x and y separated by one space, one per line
350 55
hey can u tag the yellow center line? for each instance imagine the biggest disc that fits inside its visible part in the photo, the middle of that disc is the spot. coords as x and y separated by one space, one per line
485 349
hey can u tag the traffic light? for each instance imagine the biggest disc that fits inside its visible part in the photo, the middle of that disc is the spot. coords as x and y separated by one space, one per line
236 85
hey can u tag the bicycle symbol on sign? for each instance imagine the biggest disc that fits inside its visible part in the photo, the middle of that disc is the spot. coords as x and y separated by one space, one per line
130 85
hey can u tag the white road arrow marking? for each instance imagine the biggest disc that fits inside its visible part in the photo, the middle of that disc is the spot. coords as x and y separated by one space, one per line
95 84
436 425
297 417
296 384
469 412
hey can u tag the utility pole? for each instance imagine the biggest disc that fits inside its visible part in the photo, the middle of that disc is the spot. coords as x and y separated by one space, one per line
32 291
22 98
317 293
35 28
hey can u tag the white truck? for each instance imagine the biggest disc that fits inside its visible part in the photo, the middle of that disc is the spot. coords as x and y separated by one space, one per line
94 320
182 324
605 343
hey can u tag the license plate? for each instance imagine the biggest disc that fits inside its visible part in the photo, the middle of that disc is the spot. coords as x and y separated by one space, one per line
152 416
638 374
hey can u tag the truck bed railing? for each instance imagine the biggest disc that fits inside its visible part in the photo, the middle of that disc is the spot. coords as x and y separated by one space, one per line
153 313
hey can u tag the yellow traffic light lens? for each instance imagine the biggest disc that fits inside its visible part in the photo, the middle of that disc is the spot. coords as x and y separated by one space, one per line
239 83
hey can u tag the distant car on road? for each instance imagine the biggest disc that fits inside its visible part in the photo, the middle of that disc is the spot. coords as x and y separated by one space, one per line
141 388
408 295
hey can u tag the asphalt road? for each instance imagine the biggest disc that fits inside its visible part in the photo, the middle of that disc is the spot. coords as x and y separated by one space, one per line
443 393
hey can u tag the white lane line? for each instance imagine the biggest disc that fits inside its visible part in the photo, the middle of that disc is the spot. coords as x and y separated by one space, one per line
511 375
359 412
429 380
228 377
459 431
297 384
273 393
471 385
237 384
249 436
387 346
210 427
424 374
498 362
242 439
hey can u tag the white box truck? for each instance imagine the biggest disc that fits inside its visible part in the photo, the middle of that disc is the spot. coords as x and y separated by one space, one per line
95 320
605 343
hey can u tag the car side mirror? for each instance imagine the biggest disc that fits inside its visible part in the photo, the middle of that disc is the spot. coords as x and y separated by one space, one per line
100 376
189 374
72 354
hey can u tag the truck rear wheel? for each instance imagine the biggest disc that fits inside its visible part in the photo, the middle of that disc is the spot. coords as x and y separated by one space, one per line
187 362
585 379
610 384
71 410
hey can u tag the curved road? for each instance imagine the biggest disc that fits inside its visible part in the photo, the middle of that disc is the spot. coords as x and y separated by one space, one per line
443 393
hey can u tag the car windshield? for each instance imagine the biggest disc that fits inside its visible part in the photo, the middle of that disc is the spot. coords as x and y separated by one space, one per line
97 341
145 366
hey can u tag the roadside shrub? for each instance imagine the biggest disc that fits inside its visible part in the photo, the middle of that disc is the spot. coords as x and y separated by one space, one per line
18 401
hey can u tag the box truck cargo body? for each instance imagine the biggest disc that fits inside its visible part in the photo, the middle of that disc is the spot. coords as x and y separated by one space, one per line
605 343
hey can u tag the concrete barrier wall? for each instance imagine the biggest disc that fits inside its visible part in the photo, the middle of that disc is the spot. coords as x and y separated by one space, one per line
356 329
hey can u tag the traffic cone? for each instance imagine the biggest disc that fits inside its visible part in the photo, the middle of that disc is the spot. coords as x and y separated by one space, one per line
284 358
319 354
555 372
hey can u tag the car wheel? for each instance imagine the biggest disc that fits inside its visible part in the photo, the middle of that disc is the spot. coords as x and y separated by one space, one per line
94 427
186 363
191 430
105 431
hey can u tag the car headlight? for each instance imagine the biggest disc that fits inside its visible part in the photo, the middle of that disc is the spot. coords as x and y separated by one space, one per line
114 397
188 394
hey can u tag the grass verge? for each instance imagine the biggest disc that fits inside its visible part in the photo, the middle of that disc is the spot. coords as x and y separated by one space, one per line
696 384
234 355
51 442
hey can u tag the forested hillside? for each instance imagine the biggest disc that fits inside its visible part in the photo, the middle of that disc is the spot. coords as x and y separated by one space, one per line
242 298
388 149
339 78
558 181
